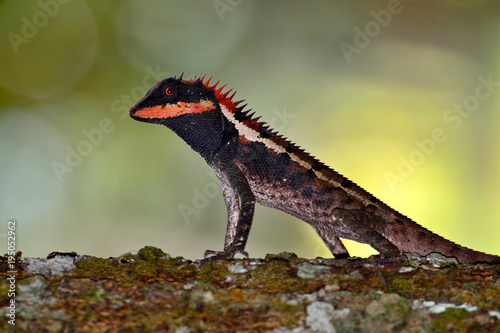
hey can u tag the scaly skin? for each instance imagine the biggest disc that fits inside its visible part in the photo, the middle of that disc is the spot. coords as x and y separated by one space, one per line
255 164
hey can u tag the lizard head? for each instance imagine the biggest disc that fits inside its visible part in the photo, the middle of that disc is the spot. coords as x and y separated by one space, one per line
173 98
191 108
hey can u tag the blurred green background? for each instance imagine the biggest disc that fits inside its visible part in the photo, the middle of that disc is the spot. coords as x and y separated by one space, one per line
401 97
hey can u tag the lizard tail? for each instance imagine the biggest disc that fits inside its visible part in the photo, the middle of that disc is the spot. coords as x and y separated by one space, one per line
412 237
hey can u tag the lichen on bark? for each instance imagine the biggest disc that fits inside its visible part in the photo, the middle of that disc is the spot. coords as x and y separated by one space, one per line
151 291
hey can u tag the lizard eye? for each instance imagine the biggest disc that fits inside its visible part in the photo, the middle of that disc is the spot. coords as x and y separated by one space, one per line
169 91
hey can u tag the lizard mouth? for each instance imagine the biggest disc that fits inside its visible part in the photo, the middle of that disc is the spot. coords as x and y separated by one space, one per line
170 110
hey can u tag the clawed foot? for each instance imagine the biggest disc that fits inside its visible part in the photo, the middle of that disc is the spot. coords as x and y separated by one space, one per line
227 254
389 258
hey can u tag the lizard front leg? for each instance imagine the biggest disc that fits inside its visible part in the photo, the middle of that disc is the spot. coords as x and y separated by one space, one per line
354 225
232 202
239 200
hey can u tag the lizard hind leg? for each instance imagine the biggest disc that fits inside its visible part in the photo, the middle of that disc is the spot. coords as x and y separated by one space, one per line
334 244
355 225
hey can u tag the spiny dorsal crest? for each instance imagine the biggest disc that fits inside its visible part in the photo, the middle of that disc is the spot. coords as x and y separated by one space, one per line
256 131
245 117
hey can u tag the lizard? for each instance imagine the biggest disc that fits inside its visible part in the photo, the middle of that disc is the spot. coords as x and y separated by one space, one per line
255 164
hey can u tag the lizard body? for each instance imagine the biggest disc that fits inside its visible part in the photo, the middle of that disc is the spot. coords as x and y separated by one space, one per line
256 165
